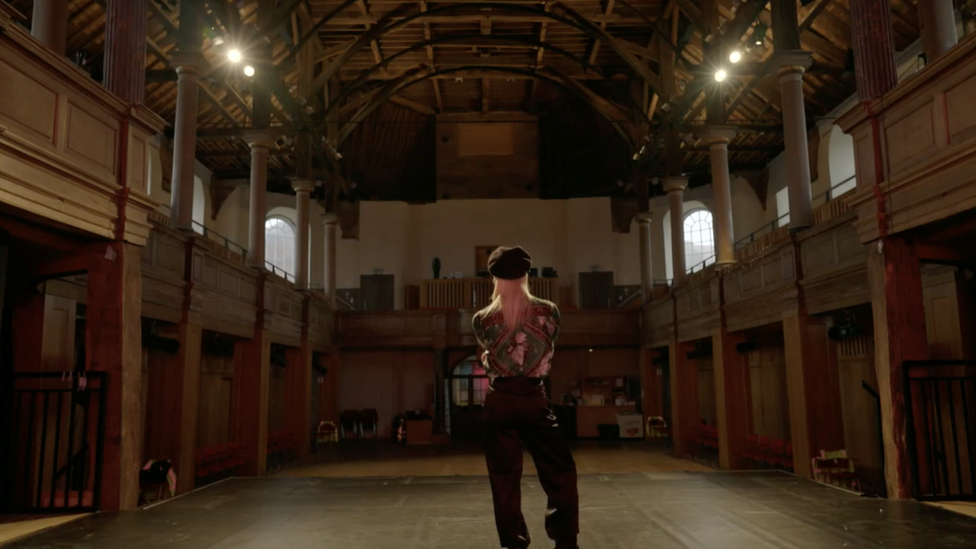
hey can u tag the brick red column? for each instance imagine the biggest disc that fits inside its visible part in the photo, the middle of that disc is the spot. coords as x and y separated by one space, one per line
874 48
125 49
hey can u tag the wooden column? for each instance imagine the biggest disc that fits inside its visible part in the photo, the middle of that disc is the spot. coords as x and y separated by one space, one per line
298 387
651 388
937 20
684 397
874 48
894 274
675 187
49 24
252 371
718 142
113 344
261 143
440 399
813 387
733 408
172 422
125 49
329 283
647 275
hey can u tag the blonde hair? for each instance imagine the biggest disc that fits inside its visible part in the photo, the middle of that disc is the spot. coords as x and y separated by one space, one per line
513 299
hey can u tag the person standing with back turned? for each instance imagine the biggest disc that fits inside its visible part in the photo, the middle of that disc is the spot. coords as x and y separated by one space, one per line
518 333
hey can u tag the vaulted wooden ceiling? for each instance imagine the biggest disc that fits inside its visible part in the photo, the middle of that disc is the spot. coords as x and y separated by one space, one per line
578 64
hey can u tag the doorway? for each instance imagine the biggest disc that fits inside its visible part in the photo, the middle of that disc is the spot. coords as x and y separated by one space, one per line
467 387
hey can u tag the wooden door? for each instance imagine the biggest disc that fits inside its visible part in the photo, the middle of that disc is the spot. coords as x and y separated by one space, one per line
377 292
596 290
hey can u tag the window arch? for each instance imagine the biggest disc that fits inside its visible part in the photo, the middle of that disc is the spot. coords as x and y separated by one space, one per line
279 243
699 239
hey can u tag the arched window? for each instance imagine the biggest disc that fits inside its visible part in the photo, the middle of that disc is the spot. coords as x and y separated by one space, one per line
699 240
469 383
279 243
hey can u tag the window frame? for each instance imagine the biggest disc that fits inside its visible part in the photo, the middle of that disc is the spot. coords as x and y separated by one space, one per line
689 266
294 232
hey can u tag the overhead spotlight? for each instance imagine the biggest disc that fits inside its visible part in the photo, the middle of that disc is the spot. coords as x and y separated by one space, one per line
249 71
234 55
735 56
720 75
759 34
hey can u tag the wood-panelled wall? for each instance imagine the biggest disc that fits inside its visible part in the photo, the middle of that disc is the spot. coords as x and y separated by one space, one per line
216 383
276 399
707 410
391 382
862 432
572 365
767 386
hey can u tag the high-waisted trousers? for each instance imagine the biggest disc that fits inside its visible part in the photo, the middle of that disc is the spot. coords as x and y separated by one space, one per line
517 415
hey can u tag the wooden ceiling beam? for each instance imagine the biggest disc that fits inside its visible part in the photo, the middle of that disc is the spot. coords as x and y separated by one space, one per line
595 49
374 45
412 105
593 16
434 84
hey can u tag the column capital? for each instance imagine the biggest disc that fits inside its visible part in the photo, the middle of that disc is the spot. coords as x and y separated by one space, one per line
719 135
302 185
330 218
793 62
188 62
645 217
259 139
675 183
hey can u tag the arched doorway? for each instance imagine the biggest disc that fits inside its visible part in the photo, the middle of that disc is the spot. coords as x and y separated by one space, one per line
467 386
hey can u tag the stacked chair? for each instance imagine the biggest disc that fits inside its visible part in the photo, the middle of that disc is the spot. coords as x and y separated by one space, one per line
282 449
705 438
327 432
836 468
350 425
369 423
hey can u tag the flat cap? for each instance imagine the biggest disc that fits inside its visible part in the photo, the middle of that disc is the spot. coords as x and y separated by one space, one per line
509 263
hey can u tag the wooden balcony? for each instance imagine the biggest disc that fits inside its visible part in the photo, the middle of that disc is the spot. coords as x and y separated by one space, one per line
70 151
925 133
475 293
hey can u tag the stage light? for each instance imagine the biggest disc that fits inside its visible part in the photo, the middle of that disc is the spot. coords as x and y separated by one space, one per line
735 56
234 55
249 71
720 75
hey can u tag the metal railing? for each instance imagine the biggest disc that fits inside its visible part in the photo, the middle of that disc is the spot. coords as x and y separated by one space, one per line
780 222
941 422
221 239
55 428
700 266
276 270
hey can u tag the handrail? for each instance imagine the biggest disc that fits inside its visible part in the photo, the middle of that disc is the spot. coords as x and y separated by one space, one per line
827 196
228 243
701 265
279 271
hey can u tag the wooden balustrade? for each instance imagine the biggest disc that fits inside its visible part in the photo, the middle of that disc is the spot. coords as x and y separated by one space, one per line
829 211
475 293
70 151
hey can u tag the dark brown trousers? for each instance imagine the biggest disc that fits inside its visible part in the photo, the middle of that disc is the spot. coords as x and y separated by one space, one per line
517 413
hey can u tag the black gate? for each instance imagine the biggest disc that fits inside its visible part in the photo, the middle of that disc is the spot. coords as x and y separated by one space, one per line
941 417
53 425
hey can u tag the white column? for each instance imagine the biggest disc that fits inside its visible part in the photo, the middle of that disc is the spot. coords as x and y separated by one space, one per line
718 141
49 24
937 19
185 140
329 282
302 191
675 187
647 275
795 136
260 143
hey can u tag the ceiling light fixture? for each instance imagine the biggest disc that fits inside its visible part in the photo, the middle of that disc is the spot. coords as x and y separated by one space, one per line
234 55
735 56
720 75
249 71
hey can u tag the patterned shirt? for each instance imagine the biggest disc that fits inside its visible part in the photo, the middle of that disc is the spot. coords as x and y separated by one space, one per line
525 351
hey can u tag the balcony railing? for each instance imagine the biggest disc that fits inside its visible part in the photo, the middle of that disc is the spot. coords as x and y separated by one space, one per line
227 243
475 293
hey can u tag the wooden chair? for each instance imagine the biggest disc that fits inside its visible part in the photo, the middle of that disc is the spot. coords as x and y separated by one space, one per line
327 432
836 466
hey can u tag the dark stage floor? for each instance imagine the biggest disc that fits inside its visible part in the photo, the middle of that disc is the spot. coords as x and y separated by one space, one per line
632 511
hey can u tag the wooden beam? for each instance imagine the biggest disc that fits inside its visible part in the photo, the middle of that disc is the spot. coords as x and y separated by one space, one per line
216 102
595 50
434 84
412 105
364 9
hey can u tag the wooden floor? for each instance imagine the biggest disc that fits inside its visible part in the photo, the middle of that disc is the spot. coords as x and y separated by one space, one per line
17 527
380 458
